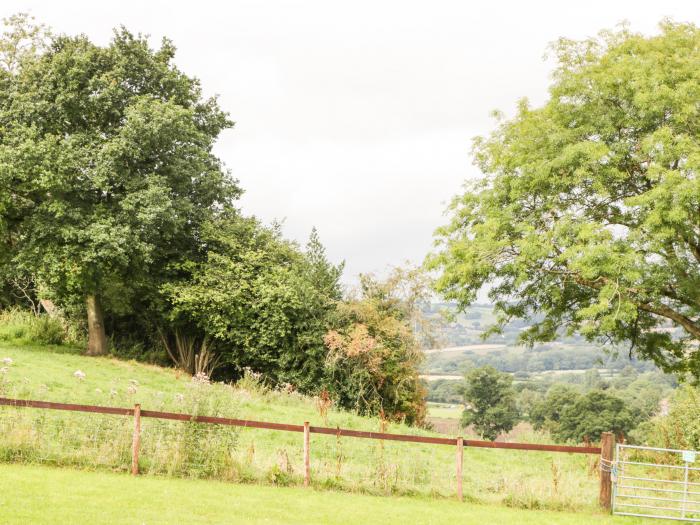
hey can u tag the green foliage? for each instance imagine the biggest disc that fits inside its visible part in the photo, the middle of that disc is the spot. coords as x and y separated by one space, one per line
679 428
548 412
571 416
22 327
587 215
445 391
106 169
594 413
490 401
374 358
265 302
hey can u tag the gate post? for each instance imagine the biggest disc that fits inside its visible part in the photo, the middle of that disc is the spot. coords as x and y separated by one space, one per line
607 445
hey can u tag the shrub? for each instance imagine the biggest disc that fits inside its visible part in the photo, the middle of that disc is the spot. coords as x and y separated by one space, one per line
23 327
679 428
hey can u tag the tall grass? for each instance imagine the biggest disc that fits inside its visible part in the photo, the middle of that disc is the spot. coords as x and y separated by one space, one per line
23 327
186 449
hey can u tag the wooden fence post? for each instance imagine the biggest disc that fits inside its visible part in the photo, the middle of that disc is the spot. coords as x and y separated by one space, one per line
307 455
607 446
460 457
135 443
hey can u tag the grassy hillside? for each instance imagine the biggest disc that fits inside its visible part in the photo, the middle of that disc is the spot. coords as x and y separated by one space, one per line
38 495
516 479
461 335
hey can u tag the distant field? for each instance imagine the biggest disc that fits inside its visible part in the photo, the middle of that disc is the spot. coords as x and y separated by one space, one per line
43 495
435 377
444 410
477 349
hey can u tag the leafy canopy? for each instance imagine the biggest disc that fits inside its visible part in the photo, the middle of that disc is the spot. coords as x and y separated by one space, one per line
490 401
571 416
588 215
106 164
265 302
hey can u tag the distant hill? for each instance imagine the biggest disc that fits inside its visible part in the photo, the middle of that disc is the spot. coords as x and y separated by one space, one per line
461 345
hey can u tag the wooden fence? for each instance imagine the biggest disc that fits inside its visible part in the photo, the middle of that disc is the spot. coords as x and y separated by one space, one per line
605 451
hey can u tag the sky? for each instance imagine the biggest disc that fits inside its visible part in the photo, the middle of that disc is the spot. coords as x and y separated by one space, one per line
357 117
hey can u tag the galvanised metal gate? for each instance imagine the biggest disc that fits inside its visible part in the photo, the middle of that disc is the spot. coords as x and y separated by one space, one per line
656 483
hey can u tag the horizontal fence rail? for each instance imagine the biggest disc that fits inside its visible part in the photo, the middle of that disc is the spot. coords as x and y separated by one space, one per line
605 450
27 403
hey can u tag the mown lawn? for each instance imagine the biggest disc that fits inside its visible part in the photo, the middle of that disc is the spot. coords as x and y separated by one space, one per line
38 495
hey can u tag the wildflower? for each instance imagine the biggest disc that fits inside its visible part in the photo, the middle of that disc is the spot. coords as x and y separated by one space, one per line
133 382
4 370
131 390
98 390
112 393
201 378
179 398
7 361
79 375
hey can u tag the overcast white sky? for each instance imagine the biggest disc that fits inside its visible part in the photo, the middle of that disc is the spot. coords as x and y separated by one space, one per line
357 117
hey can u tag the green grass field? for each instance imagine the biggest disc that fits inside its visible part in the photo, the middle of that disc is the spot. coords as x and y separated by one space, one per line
445 410
38 495
516 479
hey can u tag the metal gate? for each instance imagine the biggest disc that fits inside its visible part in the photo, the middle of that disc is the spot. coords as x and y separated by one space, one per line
656 483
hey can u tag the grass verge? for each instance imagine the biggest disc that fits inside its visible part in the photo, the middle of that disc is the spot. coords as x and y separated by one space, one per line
38 495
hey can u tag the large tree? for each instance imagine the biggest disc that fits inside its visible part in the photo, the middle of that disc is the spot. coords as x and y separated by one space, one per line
106 167
588 216
490 402
571 416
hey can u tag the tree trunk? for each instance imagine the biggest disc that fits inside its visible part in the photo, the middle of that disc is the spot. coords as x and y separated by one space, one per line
97 340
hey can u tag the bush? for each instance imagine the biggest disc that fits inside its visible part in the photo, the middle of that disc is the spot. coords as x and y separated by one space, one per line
24 328
679 428
571 416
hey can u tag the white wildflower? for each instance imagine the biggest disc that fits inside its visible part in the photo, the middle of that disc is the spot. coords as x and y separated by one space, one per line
7 361
179 398
4 370
79 375
112 393
131 390
201 378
